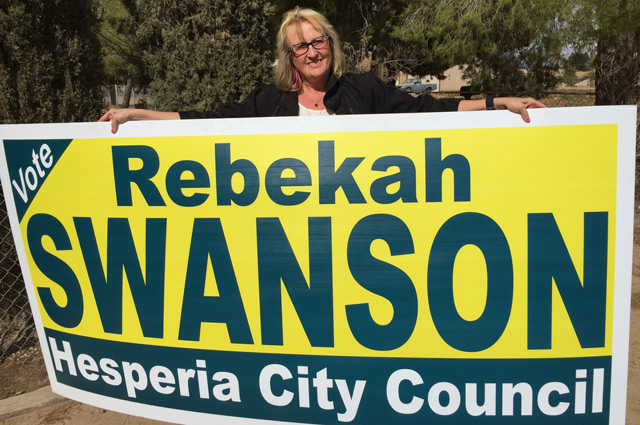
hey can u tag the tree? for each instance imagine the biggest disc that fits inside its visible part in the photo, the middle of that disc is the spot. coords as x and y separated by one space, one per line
121 48
569 73
506 45
579 60
611 30
202 53
50 64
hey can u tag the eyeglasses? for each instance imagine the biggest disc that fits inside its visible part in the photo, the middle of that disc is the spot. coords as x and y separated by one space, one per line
302 48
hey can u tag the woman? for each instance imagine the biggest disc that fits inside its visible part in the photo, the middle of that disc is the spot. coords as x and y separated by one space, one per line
310 81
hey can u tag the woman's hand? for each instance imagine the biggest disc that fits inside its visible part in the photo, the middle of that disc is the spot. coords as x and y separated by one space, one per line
518 105
116 116
119 116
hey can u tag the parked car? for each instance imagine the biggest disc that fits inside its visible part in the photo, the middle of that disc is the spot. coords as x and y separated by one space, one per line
416 85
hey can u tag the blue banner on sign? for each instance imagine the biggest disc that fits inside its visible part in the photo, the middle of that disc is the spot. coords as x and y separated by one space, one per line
333 390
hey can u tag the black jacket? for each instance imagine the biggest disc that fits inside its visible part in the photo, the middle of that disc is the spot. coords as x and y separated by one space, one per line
351 94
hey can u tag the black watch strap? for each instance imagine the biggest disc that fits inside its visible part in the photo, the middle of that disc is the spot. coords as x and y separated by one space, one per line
489 103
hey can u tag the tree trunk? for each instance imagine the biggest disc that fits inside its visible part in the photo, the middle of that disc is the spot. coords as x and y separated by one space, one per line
127 93
618 70
618 78
112 94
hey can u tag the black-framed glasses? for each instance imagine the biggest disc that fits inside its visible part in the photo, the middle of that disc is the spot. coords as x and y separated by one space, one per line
302 48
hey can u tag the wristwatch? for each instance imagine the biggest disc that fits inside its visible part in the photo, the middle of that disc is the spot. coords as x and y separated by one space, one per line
489 103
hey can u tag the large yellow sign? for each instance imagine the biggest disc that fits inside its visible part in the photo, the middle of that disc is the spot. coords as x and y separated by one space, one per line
380 273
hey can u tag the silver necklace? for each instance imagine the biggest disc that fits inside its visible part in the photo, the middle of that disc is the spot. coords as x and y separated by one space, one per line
315 102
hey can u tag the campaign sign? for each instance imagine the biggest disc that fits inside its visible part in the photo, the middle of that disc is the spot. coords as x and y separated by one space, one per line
449 268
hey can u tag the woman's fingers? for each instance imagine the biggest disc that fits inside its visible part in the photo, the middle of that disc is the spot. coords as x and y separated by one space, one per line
116 116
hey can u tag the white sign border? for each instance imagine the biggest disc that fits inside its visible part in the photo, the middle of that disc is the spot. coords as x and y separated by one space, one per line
624 116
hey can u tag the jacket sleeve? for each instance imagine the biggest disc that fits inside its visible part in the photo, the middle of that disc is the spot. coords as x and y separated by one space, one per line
261 102
429 103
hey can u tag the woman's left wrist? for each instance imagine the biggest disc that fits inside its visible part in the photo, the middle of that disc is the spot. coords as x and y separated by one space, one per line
499 103
489 103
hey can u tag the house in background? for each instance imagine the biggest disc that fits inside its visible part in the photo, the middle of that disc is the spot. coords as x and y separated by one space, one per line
453 80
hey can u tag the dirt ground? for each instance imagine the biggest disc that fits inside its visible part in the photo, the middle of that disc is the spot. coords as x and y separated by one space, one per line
70 412
24 372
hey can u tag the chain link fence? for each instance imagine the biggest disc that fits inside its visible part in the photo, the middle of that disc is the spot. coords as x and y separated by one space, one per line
551 99
17 330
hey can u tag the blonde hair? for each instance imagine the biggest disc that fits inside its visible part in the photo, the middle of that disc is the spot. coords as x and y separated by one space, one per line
287 77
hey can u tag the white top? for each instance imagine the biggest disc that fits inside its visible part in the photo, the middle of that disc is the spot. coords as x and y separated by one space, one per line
306 112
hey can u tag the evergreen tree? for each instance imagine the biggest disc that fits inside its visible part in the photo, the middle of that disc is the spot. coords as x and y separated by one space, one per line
50 64
506 45
203 53
121 49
